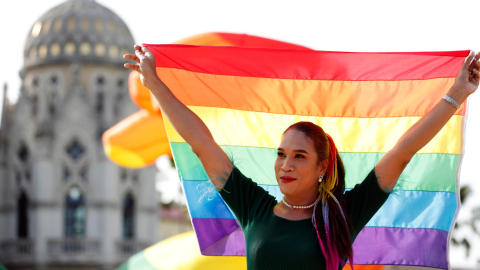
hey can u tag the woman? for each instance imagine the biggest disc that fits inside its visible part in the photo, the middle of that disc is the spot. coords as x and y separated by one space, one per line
310 174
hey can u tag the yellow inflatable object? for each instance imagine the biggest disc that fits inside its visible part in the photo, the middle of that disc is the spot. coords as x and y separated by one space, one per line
181 252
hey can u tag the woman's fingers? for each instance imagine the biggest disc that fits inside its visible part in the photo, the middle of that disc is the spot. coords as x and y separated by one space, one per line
475 74
472 62
140 55
145 50
145 64
468 61
470 67
148 53
131 57
132 67
474 67
475 71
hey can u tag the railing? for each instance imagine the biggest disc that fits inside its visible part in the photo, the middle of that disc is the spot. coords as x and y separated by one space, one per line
71 249
67 250
16 250
126 248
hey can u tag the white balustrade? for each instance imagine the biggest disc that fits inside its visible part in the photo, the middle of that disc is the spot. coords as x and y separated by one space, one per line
16 250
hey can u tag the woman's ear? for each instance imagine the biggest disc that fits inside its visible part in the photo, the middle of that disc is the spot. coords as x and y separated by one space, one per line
323 166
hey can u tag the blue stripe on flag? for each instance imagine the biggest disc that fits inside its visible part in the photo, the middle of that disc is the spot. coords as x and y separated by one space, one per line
403 209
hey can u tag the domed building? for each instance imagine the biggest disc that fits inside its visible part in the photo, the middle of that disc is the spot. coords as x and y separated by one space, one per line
63 204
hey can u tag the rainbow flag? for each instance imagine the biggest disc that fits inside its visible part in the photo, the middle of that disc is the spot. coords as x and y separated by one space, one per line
248 96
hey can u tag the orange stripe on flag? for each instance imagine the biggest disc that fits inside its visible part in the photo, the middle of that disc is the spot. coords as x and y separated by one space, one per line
286 96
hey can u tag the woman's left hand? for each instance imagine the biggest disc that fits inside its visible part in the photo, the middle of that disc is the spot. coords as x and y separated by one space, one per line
468 77
394 162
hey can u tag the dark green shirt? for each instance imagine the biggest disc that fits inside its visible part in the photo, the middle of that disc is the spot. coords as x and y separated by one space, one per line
276 243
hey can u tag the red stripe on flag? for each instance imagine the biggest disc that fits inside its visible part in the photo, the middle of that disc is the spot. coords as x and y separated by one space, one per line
308 65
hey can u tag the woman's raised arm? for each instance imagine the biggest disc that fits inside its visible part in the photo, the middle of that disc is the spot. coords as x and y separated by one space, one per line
192 129
394 162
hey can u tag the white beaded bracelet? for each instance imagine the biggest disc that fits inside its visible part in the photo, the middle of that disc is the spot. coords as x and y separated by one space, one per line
452 101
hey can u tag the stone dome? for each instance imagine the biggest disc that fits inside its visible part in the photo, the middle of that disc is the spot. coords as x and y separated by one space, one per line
78 31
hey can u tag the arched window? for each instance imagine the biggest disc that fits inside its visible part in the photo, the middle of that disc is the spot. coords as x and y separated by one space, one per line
52 103
120 84
34 104
22 216
74 213
35 82
54 80
121 89
128 216
23 153
100 103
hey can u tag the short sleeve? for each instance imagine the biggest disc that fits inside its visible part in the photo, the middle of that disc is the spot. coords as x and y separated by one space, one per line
245 198
363 201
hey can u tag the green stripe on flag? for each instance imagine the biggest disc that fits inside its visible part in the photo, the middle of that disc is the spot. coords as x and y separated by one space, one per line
425 172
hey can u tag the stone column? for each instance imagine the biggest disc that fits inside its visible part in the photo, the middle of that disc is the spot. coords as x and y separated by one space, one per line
108 203
147 208
47 212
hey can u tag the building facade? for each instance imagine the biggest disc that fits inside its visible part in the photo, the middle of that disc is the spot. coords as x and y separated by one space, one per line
63 204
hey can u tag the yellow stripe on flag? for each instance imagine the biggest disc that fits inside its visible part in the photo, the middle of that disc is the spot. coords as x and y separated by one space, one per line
359 135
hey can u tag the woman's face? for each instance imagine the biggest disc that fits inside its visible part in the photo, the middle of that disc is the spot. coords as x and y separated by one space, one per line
297 168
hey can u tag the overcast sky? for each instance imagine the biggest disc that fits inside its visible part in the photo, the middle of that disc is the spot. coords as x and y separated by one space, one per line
375 26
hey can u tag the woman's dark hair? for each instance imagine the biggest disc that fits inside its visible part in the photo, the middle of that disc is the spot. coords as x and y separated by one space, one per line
335 240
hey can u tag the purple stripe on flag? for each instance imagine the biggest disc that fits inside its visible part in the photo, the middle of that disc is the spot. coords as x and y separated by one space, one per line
374 245
398 246
219 237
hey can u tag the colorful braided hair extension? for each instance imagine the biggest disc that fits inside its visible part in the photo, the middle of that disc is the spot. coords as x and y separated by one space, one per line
329 249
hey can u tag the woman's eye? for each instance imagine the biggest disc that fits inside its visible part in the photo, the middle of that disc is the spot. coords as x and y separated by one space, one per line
280 154
299 156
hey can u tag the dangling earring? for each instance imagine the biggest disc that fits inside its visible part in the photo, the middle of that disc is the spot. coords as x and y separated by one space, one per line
320 179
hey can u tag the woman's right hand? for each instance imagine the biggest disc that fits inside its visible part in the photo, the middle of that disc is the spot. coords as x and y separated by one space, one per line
188 125
145 65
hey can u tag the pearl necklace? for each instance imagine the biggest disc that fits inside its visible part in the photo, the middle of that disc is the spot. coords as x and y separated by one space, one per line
298 207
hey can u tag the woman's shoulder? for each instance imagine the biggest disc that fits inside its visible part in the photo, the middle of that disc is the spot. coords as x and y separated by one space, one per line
244 196
364 200
368 184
